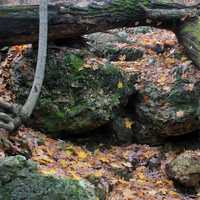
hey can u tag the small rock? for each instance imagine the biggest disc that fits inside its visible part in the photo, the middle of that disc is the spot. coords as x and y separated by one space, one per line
123 34
154 162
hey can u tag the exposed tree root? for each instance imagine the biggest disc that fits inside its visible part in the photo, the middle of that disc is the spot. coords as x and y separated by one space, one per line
11 116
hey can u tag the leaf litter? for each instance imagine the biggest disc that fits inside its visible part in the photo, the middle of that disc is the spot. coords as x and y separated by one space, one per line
122 172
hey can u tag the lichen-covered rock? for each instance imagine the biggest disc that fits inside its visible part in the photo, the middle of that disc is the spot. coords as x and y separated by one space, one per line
19 180
185 169
168 102
107 45
168 89
79 93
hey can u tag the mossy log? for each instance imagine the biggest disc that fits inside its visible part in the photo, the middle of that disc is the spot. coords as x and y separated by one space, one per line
189 36
72 18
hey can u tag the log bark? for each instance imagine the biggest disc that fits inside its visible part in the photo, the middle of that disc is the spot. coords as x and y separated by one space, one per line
189 37
71 18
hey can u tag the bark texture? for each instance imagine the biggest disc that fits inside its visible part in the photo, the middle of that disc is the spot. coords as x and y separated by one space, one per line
189 36
19 21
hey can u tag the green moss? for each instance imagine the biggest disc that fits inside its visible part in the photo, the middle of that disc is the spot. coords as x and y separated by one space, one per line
60 114
35 187
12 10
182 99
25 183
119 8
76 98
115 99
189 35
189 28
74 61
94 91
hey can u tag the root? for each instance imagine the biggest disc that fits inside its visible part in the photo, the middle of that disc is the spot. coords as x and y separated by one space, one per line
12 115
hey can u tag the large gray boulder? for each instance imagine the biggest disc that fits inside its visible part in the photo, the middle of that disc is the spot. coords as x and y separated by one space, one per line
19 180
82 92
165 106
168 92
76 96
168 105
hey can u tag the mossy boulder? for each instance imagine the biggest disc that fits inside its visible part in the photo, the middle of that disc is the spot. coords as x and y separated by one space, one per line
168 102
168 91
185 168
19 180
76 96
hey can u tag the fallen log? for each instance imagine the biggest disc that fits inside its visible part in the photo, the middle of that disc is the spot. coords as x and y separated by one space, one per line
73 18
19 21
189 36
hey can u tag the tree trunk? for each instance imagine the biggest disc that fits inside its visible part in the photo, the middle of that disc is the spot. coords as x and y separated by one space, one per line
72 18
19 21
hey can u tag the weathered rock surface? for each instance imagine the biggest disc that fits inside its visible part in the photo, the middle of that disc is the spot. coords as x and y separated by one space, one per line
168 92
185 169
81 95
19 180
168 102
107 45
163 110
78 95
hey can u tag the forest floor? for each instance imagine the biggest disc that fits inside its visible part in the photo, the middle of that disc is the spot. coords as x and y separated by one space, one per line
122 171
